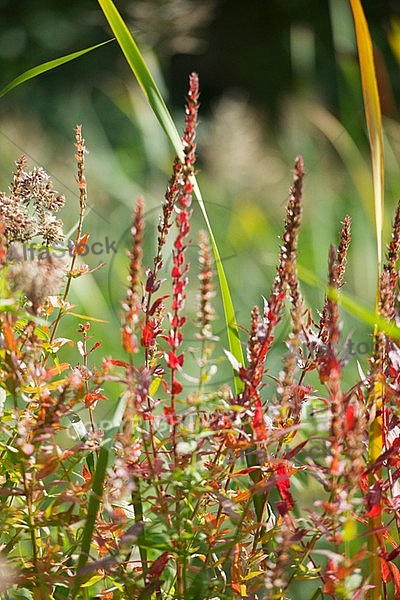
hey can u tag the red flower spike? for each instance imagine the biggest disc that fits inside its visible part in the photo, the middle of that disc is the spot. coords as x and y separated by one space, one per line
175 273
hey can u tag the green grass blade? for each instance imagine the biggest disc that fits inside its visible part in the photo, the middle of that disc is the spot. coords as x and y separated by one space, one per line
373 116
153 95
47 66
229 311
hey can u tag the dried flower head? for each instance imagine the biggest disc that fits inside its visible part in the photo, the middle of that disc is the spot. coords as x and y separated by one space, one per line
30 209
38 279
206 312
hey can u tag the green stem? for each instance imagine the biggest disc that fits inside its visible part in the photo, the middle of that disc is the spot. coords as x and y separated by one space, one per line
138 510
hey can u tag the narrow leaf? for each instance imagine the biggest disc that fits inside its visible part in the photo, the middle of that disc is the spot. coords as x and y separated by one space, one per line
47 66
373 116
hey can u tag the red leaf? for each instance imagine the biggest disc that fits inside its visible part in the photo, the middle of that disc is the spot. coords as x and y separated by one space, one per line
155 305
295 450
95 346
118 363
259 428
86 474
391 573
236 574
176 387
396 580
9 339
385 571
149 334
283 485
174 361
157 567
393 554
56 370
374 511
349 417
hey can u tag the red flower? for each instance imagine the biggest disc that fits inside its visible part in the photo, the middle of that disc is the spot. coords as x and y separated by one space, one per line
259 428
283 485
173 361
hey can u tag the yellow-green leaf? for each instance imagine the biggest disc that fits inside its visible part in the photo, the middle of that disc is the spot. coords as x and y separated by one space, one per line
372 114
92 581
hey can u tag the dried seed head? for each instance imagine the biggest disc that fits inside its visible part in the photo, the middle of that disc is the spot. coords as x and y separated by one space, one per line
30 208
38 279
206 313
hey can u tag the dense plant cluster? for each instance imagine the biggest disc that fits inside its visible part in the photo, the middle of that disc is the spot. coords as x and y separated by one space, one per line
208 493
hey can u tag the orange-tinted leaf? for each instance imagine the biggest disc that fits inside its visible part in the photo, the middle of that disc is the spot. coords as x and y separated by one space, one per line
242 496
56 370
236 575
9 339
80 246
91 399
86 474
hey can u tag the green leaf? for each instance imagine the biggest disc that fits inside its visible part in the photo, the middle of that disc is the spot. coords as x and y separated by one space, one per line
92 581
153 95
47 66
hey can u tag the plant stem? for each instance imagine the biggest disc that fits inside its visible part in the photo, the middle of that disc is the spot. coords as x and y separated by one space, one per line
375 523
138 510
80 157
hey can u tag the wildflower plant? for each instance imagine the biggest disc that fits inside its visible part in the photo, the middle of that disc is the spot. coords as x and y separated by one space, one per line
251 490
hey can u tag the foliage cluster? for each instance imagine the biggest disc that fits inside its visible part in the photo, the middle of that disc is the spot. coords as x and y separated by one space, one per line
284 485
194 494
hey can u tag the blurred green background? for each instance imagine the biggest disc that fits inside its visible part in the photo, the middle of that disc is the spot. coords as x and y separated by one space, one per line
277 79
